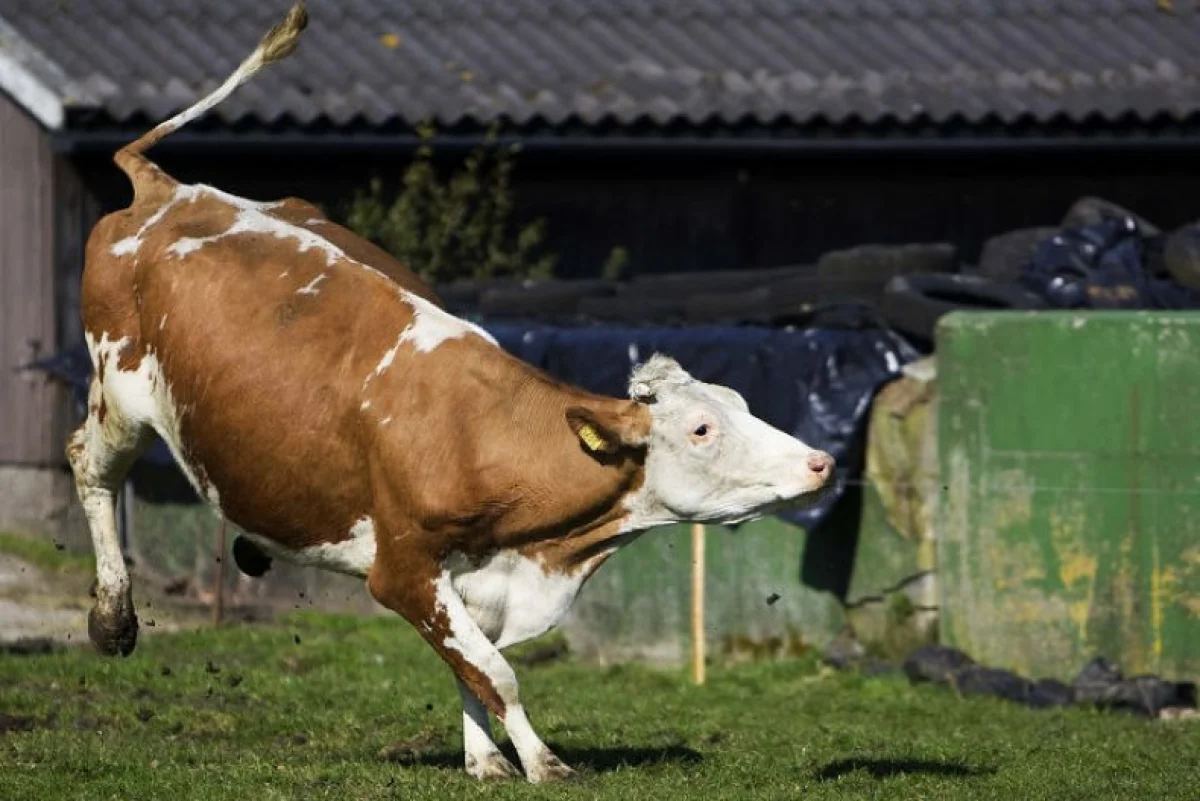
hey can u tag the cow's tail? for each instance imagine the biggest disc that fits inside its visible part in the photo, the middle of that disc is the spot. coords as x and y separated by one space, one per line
277 45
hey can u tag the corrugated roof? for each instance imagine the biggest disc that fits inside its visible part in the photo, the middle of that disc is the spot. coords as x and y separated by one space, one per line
624 61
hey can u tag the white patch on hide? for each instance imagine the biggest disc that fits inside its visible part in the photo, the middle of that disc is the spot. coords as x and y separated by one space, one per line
432 326
642 513
182 247
388 358
253 217
112 577
465 635
511 597
131 244
385 362
311 287
143 396
429 328
352 557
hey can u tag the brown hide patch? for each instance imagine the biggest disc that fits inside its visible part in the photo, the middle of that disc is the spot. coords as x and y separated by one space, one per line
504 469
567 549
151 185
131 357
277 436
267 376
107 297
205 218
588 529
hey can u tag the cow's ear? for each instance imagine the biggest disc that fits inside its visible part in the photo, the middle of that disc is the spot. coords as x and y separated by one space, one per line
607 431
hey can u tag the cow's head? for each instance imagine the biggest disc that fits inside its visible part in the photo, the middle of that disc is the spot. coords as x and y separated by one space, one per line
707 458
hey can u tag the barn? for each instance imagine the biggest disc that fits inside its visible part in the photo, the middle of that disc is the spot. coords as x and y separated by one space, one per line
726 134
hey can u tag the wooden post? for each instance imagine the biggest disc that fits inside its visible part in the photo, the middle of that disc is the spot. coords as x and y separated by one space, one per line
698 642
219 588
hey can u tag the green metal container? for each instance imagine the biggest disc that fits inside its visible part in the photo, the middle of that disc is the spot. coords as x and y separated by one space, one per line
1069 453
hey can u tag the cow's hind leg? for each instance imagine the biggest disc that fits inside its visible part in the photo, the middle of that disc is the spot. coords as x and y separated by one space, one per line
101 452
483 757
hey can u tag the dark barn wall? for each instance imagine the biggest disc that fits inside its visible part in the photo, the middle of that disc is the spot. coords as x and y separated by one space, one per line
684 212
45 213
28 323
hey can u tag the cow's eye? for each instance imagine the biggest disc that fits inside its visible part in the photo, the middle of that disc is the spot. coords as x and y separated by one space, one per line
701 431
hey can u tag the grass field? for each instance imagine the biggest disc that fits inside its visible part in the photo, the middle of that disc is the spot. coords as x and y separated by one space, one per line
319 707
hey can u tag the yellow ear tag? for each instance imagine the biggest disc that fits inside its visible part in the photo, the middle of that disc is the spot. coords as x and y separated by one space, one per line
591 438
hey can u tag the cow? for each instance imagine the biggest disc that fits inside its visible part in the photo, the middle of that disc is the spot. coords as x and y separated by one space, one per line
316 394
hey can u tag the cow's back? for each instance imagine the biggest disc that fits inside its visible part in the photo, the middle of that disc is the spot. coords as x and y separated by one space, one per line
256 338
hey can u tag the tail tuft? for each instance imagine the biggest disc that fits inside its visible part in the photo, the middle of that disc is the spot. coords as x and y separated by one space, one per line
281 40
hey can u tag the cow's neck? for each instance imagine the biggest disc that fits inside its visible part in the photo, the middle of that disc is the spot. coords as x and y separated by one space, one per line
581 501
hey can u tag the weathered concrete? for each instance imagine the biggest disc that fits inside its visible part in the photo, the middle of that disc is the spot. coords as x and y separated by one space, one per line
893 603
42 501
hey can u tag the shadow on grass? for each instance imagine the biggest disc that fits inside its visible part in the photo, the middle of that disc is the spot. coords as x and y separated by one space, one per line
886 768
590 760
603 760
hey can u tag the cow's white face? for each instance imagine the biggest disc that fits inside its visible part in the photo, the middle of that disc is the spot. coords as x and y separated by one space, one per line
709 459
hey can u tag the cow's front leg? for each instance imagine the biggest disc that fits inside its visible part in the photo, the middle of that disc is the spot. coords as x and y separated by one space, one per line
483 758
424 596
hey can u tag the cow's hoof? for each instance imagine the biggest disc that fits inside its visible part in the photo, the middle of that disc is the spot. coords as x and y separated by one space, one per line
549 769
113 633
493 766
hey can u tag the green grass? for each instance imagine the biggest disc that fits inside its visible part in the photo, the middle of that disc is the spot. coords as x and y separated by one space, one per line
310 719
41 552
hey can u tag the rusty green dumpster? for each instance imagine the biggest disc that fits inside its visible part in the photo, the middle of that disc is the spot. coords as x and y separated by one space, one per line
1069 459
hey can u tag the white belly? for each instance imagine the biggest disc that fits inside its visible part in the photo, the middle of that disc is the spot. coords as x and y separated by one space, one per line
352 557
511 598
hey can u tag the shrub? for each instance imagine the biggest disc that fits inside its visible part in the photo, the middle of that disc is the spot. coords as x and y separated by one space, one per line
457 227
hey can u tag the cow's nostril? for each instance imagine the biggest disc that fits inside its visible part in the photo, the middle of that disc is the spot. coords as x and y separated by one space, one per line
820 463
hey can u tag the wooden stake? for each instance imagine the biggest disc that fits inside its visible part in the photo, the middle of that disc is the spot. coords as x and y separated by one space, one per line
219 589
698 642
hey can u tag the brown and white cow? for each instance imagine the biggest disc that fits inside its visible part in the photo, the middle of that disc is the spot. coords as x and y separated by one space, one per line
315 393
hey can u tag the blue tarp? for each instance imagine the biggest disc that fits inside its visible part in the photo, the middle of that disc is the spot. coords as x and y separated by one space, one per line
1103 266
816 384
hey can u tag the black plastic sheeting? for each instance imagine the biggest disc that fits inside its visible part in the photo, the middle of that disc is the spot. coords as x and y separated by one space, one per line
1107 265
816 384
1100 684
